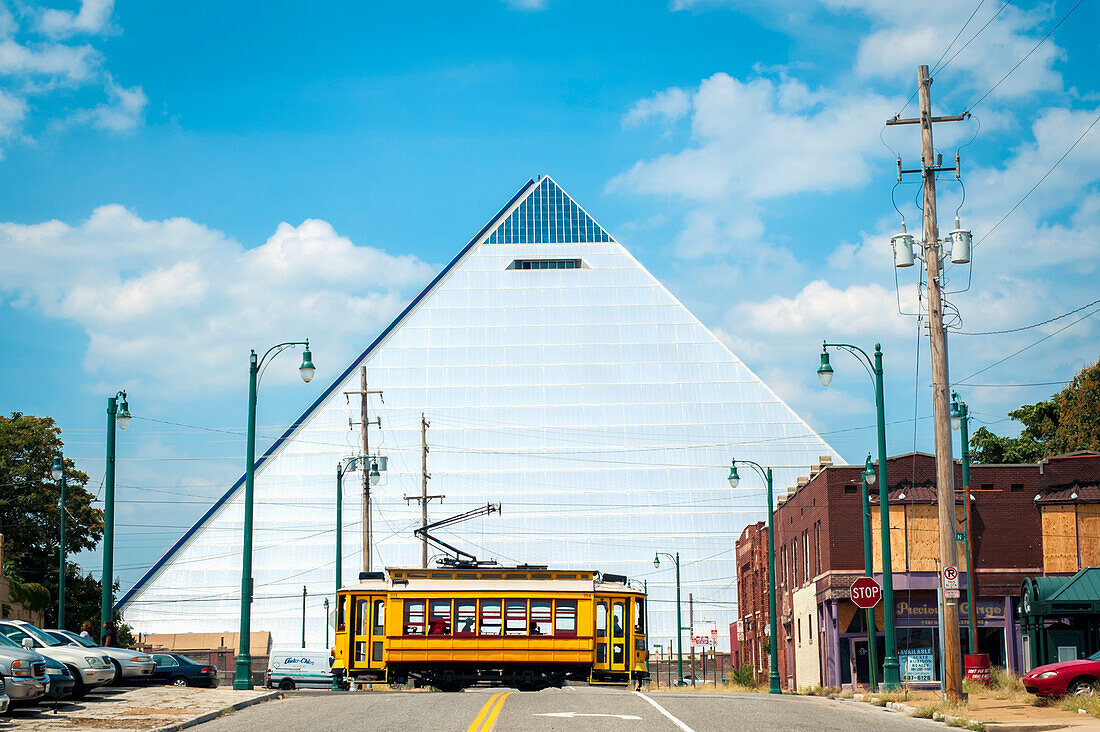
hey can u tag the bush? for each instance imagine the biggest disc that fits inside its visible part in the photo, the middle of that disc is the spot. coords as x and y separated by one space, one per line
743 675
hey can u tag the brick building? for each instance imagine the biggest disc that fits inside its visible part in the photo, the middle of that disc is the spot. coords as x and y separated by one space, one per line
1027 520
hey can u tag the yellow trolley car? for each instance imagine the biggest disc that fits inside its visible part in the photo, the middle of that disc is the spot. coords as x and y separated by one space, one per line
527 626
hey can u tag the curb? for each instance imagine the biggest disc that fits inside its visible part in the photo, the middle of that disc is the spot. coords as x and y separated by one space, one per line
209 716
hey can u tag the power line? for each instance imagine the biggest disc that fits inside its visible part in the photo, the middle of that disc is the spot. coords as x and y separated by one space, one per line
1029 327
1056 164
936 66
1033 49
948 63
1017 353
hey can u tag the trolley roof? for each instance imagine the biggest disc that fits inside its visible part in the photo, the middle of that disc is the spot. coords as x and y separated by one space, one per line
512 579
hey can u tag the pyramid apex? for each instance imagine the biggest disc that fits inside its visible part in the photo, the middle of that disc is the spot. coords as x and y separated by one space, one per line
547 215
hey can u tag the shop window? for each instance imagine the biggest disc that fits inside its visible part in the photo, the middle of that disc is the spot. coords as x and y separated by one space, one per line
490 617
515 617
439 617
541 618
465 617
414 617
565 617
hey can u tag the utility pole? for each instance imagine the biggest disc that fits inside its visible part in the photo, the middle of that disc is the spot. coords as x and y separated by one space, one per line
365 422
691 633
423 498
945 468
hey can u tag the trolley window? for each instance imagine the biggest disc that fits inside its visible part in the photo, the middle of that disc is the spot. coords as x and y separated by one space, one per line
414 617
490 617
639 615
465 617
439 617
340 613
565 617
379 617
619 622
515 617
541 618
362 613
601 620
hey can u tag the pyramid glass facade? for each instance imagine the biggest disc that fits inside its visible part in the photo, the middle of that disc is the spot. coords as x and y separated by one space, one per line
587 400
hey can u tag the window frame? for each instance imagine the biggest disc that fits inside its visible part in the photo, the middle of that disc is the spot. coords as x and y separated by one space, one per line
449 627
558 632
455 632
405 624
526 616
481 617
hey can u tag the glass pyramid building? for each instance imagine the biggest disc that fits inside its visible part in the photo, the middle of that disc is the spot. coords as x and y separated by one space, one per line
561 380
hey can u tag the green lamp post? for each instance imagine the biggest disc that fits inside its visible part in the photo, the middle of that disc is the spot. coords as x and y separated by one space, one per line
773 625
243 677
679 617
960 414
58 473
118 412
890 676
344 466
868 478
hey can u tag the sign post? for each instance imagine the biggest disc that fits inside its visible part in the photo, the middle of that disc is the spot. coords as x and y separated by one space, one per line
951 583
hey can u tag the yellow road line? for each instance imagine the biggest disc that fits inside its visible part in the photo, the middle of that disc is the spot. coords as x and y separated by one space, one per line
492 718
476 725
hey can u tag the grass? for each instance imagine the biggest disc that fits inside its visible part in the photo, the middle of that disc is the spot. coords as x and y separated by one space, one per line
1090 704
819 691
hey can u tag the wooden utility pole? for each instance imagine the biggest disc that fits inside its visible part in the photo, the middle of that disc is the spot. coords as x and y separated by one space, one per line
423 498
364 406
941 417
364 424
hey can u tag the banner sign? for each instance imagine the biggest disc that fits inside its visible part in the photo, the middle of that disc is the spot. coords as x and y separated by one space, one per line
923 613
916 664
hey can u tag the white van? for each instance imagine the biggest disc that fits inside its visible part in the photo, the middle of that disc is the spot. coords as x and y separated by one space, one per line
290 668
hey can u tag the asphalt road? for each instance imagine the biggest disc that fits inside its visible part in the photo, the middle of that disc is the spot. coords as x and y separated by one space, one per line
578 708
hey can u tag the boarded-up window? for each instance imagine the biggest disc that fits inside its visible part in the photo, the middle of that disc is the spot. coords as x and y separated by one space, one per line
1059 539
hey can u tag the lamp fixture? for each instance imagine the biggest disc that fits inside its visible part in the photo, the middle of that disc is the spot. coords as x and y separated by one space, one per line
58 469
307 369
825 370
734 478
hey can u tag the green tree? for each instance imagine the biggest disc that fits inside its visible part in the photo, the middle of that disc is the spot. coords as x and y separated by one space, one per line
1067 422
30 518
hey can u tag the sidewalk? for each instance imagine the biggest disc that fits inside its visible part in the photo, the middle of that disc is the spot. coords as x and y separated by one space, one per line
140 709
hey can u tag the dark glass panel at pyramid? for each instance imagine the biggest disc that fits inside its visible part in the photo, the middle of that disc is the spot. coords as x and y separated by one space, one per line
548 216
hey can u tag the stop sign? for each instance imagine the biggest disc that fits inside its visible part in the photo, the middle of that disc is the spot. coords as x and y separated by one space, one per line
866 592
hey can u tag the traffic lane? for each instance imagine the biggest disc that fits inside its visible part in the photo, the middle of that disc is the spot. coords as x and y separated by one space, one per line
581 708
731 711
327 711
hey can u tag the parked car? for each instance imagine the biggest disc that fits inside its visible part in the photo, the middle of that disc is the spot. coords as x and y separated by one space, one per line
1080 677
24 672
89 668
61 681
4 700
179 670
289 668
128 664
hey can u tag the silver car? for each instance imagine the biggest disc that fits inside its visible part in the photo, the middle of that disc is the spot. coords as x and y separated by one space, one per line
24 673
4 700
128 664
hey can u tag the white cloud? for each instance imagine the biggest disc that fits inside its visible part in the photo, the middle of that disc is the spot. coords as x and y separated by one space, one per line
820 308
762 139
12 111
45 71
175 302
92 18
668 105
123 111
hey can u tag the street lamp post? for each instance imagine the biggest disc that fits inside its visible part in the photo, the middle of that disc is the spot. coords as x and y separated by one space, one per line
346 465
243 678
679 616
304 592
890 676
58 473
867 478
326 622
773 626
960 414
117 413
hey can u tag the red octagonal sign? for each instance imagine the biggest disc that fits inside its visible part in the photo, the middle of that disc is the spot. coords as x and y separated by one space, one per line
866 592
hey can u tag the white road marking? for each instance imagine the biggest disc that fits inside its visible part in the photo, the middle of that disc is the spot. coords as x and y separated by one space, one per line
570 715
665 712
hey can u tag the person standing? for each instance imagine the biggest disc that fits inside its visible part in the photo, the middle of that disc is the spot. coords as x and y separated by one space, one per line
86 630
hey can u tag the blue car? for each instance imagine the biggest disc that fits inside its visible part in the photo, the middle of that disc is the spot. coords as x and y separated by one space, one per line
179 670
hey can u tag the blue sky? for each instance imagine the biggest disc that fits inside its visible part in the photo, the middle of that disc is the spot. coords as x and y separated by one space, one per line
179 183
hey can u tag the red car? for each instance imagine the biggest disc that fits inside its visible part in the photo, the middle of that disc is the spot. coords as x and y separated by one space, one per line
1067 677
